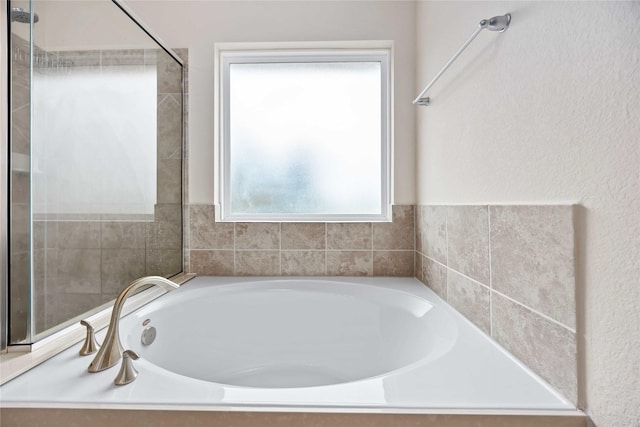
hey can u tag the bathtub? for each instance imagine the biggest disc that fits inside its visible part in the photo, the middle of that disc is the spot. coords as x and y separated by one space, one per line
323 343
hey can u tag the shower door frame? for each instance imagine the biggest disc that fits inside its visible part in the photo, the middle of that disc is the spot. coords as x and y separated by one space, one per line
4 170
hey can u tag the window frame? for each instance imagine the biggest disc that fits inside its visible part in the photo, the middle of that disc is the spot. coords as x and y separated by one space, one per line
231 53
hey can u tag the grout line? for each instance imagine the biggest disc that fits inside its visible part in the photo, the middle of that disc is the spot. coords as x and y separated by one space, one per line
533 310
326 246
446 231
235 271
371 226
280 247
490 276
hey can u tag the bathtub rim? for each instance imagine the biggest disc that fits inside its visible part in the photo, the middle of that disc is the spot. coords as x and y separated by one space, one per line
293 409
411 284
20 359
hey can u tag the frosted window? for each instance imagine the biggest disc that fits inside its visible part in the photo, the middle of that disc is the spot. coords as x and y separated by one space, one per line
305 140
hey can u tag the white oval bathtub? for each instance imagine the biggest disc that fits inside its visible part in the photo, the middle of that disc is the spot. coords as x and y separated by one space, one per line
284 333
291 343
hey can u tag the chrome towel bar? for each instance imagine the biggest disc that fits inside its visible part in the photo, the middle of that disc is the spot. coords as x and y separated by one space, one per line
497 23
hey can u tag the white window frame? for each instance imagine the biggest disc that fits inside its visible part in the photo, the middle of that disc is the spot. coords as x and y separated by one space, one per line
235 53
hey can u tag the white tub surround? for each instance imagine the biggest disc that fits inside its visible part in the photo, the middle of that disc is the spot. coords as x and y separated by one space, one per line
292 343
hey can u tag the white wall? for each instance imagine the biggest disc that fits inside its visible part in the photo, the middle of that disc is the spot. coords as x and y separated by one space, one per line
197 25
549 112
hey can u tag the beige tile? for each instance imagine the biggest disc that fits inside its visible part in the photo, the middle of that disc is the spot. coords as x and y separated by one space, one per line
20 120
121 267
81 58
257 263
46 269
434 275
205 232
417 266
19 227
532 258
432 225
45 234
19 294
79 235
20 142
166 231
169 188
75 304
122 57
393 263
151 57
211 263
257 235
471 299
20 187
468 241
303 263
163 262
39 269
398 234
303 235
123 235
169 212
19 94
79 270
169 74
356 235
349 263
183 53
169 133
546 347
186 260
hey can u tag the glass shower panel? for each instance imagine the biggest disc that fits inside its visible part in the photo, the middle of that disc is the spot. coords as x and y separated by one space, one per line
19 142
105 156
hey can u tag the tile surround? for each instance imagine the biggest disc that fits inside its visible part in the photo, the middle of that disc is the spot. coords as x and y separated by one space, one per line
431 232
301 249
471 299
303 235
546 347
510 270
533 258
468 241
349 236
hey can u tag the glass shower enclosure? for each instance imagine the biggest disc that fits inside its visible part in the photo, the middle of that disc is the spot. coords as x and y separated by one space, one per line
95 161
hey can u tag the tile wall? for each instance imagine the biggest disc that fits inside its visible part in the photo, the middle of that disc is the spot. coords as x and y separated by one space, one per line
301 249
510 270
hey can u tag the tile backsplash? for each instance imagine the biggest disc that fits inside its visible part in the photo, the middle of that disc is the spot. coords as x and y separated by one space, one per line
301 249
510 271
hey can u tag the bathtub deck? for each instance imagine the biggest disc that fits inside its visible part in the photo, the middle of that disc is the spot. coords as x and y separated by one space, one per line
475 375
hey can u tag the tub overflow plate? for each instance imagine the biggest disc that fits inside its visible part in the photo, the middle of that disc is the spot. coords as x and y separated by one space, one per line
148 335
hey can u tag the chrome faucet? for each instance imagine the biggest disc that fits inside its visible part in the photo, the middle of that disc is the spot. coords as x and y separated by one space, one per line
111 350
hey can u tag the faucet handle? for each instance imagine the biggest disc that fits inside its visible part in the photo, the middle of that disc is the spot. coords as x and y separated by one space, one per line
90 345
128 372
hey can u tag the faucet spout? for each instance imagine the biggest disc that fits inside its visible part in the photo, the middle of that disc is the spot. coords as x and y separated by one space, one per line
111 350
